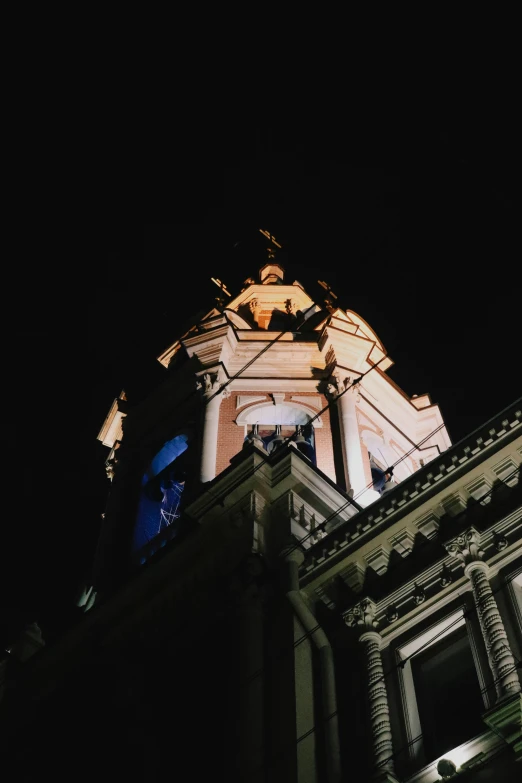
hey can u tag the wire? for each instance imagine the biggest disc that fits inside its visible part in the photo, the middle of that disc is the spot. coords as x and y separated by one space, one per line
336 513
350 501
392 467
402 663
288 439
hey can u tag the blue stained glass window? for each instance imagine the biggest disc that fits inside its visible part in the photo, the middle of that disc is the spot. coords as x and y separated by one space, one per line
162 486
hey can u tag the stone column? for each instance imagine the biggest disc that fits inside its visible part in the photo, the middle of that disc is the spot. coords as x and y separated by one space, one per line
346 396
466 547
362 617
209 441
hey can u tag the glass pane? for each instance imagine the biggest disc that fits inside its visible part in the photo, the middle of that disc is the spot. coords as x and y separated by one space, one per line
448 694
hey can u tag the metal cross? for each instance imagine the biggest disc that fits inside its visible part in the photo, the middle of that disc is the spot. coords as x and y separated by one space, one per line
328 301
220 299
270 249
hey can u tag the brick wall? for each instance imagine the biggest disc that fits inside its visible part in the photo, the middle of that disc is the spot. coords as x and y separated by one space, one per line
230 438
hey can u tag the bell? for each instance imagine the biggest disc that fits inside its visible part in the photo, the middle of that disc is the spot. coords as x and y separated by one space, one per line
255 438
277 441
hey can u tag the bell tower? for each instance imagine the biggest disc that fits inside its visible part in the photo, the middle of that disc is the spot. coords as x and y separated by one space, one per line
269 369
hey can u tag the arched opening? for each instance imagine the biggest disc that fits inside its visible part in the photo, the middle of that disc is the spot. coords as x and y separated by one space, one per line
382 457
276 424
162 486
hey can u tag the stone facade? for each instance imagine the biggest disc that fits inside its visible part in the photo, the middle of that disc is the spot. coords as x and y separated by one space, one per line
290 622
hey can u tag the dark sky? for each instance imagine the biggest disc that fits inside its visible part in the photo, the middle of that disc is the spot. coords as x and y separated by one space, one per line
427 255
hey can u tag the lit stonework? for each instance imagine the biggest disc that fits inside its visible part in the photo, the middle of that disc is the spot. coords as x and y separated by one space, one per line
276 478
362 618
466 547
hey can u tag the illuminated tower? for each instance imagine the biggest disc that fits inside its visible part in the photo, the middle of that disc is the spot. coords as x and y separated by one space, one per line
298 579
269 367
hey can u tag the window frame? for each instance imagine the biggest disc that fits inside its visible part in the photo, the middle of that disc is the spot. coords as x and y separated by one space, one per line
405 648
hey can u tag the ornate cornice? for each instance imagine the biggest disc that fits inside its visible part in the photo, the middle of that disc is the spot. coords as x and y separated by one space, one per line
412 492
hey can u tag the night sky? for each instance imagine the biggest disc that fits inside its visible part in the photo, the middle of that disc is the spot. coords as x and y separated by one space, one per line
427 257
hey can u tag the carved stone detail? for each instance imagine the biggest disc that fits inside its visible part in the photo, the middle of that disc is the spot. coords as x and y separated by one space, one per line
210 384
501 660
291 306
362 616
446 577
345 383
419 596
501 542
466 547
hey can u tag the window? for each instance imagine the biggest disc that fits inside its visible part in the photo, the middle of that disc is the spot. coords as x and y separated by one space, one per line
161 488
449 701
442 688
383 456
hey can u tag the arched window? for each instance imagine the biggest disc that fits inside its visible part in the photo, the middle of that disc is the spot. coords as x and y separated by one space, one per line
382 456
161 487
274 424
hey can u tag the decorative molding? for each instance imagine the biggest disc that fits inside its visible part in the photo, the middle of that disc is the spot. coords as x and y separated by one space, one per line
428 524
353 575
501 660
244 416
419 596
378 559
314 401
507 471
455 503
479 489
466 547
426 480
248 399
362 616
403 542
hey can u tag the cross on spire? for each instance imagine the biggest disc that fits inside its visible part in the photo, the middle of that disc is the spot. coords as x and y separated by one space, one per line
220 299
273 244
329 293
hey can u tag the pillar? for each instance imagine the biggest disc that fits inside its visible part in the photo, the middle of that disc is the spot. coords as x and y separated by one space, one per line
212 398
346 396
466 547
362 617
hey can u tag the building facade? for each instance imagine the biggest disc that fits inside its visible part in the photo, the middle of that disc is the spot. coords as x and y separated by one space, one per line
299 577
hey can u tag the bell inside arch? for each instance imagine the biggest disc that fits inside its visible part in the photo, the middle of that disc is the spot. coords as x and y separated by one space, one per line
303 444
254 437
277 441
